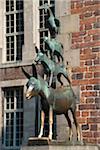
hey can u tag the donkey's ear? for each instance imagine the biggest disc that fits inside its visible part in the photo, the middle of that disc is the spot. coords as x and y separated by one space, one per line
25 73
36 49
34 71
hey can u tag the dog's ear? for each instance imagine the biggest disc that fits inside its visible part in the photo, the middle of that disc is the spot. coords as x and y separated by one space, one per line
36 49
42 50
34 71
25 73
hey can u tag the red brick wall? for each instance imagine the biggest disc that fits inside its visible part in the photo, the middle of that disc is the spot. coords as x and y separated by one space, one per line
14 73
87 75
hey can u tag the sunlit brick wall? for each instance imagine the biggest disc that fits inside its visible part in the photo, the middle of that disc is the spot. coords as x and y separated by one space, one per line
87 76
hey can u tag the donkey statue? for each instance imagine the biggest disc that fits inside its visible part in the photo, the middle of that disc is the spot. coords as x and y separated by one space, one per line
53 22
59 100
54 47
51 68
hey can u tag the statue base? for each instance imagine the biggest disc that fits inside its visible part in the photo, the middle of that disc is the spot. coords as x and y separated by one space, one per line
33 141
44 143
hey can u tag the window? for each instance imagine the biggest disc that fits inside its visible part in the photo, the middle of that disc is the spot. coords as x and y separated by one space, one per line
14 30
13 117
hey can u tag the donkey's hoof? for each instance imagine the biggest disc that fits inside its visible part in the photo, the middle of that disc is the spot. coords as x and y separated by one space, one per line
50 137
39 136
61 86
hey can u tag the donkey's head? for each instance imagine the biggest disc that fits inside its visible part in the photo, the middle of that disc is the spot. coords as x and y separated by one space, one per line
33 88
33 84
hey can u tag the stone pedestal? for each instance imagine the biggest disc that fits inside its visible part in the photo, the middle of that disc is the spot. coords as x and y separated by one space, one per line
34 141
45 144
57 147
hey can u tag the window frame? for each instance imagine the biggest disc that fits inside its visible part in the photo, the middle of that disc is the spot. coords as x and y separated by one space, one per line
14 111
15 34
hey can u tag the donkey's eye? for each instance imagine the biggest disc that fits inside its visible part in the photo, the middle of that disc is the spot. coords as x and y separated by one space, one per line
31 87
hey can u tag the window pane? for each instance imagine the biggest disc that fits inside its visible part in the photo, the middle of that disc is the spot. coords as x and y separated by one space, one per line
19 22
52 2
7 106
19 4
12 51
8 58
42 34
12 103
11 5
45 1
7 5
19 98
9 128
41 2
19 128
19 44
7 24
12 23
10 48
12 57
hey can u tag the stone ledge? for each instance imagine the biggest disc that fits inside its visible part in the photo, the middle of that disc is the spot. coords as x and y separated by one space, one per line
60 147
16 64
35 143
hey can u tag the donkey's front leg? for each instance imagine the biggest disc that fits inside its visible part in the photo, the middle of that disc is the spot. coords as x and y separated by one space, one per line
50 80
50 122
42 124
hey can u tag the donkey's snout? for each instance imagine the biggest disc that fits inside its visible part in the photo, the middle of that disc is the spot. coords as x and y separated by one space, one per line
28 95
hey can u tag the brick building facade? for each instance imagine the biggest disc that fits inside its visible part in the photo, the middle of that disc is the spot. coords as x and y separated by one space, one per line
87 75
79 35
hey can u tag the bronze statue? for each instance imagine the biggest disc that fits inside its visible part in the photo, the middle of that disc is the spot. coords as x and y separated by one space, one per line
59 100
53 22
50 67
54 47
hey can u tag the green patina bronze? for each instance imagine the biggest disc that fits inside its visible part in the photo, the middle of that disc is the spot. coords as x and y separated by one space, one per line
53 22
51 67
61 100
54 47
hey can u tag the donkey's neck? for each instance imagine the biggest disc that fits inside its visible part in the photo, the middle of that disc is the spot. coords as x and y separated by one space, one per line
44 88
46 92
